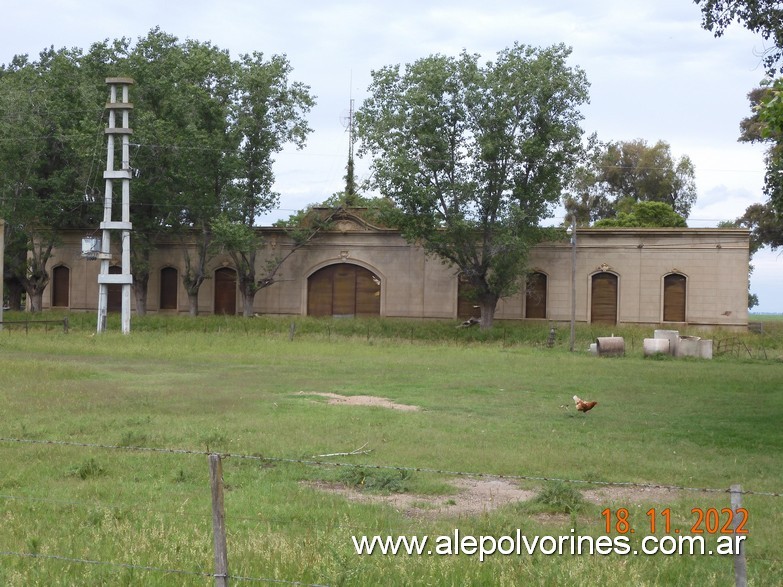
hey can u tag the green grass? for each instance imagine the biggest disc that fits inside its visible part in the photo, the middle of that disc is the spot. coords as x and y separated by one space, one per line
489 403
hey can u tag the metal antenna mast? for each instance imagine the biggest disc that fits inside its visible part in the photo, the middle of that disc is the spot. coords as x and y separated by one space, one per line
350 177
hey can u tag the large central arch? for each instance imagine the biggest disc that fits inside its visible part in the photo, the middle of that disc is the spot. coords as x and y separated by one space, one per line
343 290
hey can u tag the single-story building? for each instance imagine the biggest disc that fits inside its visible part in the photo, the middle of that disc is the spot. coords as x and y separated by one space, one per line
651 276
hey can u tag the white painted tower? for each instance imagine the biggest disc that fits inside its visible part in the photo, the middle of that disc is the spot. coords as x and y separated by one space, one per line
119 112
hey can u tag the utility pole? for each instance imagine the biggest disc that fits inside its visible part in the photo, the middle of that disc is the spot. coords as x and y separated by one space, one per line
118 107
2 257
572 233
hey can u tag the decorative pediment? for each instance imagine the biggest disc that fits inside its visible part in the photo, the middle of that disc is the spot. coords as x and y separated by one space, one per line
347 225
346 219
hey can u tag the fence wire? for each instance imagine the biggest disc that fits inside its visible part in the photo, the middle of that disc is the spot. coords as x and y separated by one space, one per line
321 463
308 462
84 561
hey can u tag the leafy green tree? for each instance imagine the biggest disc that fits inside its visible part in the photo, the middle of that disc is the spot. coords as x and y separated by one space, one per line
270 113
474 156
187 153
762 220
645 215
617 175
764 17
765 125
49 118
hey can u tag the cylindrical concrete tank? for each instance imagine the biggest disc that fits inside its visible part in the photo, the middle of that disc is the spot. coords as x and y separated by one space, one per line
610 345
655 346
688 346
705 348
673 336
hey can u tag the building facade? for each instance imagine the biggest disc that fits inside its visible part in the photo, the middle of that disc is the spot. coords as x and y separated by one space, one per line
654 276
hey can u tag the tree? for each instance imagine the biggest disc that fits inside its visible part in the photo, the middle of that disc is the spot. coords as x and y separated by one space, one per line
270 113
765 125
617 175
764 17
49 115
645 215
475 156
188 150
762 220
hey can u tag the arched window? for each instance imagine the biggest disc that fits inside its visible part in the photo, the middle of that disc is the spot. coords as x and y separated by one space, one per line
343 290
467 305
225 291
168 288
674 295
603 305
114 292
535 295
61 286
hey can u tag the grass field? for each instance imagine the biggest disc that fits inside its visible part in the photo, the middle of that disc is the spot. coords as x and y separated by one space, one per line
490 403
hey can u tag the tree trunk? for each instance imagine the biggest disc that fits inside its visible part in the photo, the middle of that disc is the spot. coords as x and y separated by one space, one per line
36 299
34 286
140 292
195 274
14 291
248 299
488 303
193 303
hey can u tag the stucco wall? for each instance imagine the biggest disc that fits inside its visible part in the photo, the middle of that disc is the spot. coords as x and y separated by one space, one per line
714 261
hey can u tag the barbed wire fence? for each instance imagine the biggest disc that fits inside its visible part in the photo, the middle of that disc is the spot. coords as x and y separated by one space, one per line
221 575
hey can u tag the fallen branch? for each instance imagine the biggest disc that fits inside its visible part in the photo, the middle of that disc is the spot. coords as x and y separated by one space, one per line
357 451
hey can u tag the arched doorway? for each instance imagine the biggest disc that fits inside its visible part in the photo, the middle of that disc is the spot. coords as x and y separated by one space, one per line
535 295
343 290
603 305
61 285
168 288
114 292
674 290
225 291
467 304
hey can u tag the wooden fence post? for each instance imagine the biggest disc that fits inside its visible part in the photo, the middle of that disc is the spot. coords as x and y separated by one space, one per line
740 565
218 520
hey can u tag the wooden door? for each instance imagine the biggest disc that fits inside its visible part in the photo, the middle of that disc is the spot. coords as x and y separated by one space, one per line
168 288
61 284
535 296
467 304
603 307
343 290
674 298
226 291
114 292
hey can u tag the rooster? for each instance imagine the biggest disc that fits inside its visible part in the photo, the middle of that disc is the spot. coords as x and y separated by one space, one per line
584 406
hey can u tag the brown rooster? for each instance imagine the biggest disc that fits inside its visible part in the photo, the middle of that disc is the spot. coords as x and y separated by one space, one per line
584 406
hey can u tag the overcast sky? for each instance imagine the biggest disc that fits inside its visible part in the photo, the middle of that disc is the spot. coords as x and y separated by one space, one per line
655 74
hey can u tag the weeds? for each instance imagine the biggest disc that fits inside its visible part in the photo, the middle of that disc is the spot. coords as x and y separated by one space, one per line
556 497
86 470
381 481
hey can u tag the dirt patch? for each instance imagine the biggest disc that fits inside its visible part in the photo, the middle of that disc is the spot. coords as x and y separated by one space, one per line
631 495
362 400
478 496
473 497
